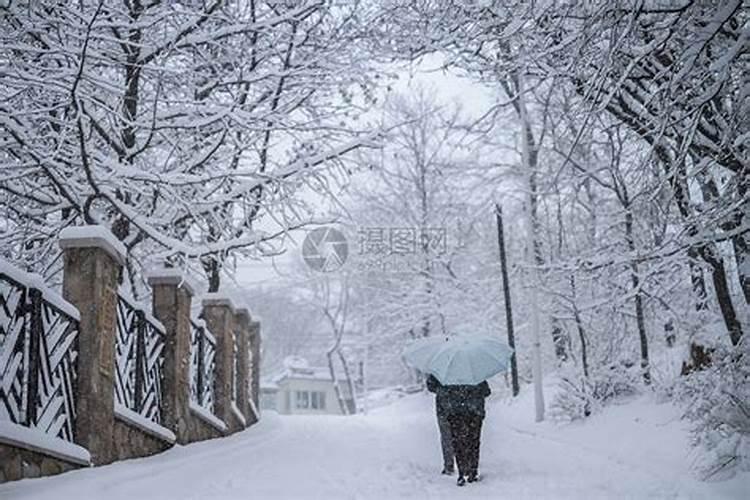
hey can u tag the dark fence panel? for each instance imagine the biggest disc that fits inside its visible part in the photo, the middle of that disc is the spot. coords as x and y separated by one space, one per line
38 353
139 351
202 366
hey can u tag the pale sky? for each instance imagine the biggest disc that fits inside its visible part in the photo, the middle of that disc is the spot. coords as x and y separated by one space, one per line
473 98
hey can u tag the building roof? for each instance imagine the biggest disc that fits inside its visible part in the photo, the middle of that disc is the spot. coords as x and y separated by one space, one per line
297 368
306 373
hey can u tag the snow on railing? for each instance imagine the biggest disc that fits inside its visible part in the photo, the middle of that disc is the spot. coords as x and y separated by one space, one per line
146 425
139 356
238 413
38 352
208 417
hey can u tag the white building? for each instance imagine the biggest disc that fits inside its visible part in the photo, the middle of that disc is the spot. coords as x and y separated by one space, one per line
301 389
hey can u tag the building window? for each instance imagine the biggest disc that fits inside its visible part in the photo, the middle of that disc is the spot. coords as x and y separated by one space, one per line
318 400
314 400
303 399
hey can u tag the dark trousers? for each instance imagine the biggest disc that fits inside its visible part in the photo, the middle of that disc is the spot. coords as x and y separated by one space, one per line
467 431
446 442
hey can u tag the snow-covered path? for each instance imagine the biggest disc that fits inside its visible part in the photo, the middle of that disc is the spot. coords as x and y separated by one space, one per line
632 451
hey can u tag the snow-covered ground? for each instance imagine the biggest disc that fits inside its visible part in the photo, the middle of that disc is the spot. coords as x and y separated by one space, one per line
636 450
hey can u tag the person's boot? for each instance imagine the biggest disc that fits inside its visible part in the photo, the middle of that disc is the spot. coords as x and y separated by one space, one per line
460 481
473 477
448 471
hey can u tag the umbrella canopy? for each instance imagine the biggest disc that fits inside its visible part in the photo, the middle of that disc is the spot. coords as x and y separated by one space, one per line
461 360
419 353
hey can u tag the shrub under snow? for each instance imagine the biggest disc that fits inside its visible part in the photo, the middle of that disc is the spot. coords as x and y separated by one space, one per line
579 396
717 403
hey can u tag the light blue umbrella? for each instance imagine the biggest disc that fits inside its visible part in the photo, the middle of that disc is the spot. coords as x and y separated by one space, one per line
420 352
464 360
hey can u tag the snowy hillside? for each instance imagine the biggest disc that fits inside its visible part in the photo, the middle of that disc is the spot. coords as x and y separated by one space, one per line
636 450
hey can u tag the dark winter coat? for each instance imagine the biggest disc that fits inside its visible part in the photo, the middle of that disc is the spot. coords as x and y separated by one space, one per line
458 399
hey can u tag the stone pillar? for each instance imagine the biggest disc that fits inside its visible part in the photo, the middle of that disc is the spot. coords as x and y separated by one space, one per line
254 342
242 322
172 298
93 259
218 313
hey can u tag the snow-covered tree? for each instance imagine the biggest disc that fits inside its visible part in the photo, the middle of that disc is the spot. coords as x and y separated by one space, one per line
183 126
639 124
419 262
669 73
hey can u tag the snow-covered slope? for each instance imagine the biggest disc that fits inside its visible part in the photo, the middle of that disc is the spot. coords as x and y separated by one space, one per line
636 450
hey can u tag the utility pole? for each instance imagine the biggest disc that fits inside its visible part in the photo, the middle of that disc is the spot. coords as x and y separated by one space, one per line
506 294
530 257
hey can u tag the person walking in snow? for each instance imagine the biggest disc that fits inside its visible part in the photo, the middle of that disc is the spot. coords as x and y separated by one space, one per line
463 406
446 439
462 364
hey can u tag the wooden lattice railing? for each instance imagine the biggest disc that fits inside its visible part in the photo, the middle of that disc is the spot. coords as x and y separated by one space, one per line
38 352
139 352
202 366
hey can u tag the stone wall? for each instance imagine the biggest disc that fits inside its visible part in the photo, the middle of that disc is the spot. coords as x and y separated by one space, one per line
198 430
93 262
18 463
130 442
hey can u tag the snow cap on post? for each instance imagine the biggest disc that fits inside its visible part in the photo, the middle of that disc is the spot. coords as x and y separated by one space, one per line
171 276
93 236
218 299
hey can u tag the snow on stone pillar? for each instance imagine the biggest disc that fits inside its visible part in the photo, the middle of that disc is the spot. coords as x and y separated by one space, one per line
254 341
93 259
218 313
172 298
242 320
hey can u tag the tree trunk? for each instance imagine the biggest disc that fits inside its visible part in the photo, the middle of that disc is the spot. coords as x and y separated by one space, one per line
212 263
584 345
334 378
579 326
724 296
698 283
212 268
636 284
677 176
711 193
560 340
352 408
742 258
643 339
741 242
506 294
